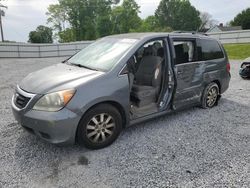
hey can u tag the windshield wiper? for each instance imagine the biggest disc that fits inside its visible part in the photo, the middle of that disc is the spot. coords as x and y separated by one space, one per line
83 66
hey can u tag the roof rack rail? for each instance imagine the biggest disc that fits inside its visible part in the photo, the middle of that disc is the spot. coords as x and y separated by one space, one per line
191 32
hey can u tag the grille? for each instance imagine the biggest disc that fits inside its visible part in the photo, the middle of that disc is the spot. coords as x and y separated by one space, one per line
21 101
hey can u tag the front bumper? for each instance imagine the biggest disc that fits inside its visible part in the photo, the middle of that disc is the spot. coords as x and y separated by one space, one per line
54 127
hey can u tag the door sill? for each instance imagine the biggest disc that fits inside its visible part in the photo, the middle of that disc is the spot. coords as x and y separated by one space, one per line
148 117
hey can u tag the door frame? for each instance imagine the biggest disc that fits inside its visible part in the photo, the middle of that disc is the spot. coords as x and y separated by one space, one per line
167 65
173 39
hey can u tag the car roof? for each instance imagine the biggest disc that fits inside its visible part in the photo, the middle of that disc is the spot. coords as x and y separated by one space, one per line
141 36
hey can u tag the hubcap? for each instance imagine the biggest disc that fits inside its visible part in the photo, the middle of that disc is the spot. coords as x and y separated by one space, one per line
212 97
100 128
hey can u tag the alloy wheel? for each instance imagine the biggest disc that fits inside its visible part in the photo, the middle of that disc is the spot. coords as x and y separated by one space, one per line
100 128
212 96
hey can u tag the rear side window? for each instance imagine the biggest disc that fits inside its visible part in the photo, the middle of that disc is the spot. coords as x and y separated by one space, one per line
210 49
184 51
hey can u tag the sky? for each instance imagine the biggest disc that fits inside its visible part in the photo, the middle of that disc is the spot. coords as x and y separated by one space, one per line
23 16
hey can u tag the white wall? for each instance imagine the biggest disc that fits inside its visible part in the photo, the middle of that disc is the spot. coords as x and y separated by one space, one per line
66 49
41 50
242 36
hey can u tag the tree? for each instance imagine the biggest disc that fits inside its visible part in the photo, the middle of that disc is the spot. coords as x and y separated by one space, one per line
88 19
68 35
104 26
206 21
103 18
151 24
125 17
57 17
42 34
242 19
178 14
77 12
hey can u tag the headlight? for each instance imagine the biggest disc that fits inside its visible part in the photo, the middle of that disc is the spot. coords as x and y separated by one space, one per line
53 102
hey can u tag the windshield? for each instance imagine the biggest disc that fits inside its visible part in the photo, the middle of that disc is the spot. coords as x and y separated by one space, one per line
103 54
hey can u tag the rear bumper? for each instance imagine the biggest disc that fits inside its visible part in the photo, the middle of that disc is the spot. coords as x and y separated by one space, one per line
54 127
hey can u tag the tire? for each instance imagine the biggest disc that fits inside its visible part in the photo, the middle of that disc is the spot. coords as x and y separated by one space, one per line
99 127
243 64
210 96
244 72
245 77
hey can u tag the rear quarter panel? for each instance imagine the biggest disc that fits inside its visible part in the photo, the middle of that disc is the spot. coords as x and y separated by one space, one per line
216 70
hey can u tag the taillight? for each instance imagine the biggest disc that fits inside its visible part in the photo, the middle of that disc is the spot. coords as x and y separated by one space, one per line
228 67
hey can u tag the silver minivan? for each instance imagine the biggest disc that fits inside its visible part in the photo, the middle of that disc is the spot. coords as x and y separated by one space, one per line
119 81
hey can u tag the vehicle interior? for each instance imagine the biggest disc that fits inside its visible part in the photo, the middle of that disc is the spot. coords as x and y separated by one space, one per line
184 51
146 76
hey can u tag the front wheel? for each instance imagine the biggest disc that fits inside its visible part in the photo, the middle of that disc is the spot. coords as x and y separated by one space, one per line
99 127
210 96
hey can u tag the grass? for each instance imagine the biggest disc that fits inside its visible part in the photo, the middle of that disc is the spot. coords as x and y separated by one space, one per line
238 51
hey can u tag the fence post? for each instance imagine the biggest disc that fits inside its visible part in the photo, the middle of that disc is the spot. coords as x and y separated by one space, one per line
39 51
238 37
18 50
58 53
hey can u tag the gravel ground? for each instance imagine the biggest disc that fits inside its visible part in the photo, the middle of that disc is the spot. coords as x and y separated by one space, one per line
192 148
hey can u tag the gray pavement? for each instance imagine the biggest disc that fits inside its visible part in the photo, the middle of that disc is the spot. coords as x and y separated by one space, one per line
191 148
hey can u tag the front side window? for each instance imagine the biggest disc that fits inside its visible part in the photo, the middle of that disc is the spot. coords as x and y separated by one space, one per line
184 51
150 49
103 54
211 50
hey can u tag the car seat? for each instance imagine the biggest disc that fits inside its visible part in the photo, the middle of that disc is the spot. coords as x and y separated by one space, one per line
147 80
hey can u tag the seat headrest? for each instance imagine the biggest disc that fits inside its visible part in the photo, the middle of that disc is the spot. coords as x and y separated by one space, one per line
160 52
157 45
150 50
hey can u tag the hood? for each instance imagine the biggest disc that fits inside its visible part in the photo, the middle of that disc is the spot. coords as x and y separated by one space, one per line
44 80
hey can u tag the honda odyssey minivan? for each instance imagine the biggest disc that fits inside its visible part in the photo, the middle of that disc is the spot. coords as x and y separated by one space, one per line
119 81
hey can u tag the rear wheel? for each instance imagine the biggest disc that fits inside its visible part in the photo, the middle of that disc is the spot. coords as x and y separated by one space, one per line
210 96
99 127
